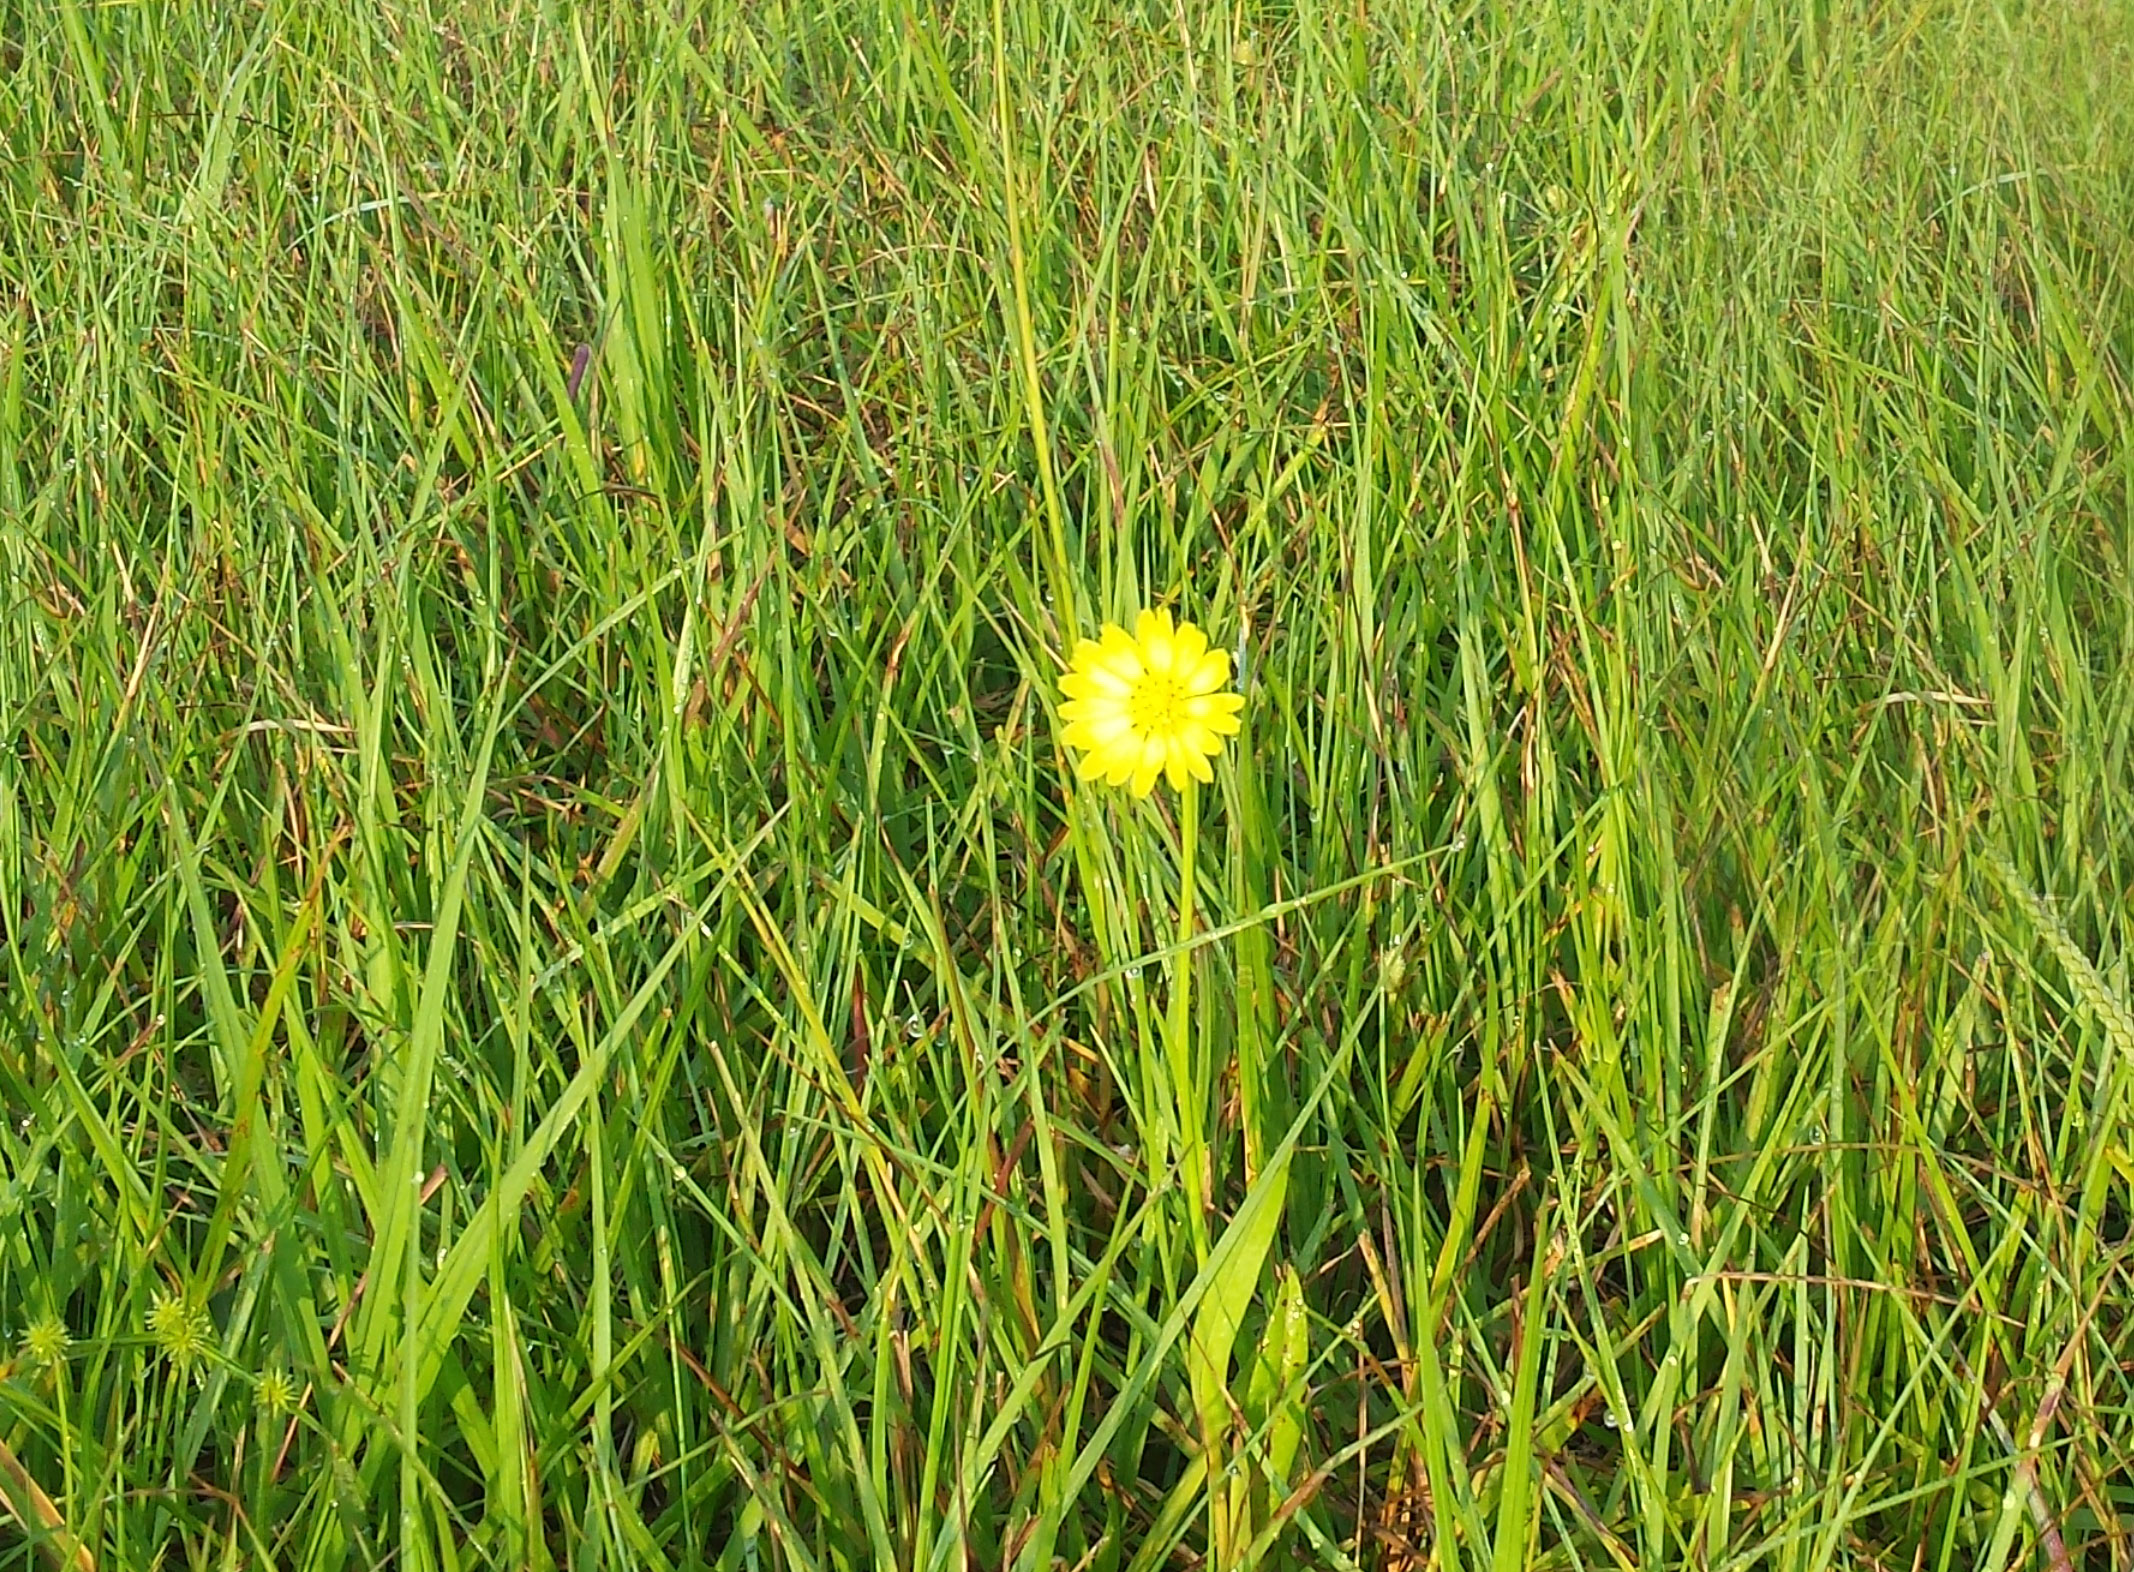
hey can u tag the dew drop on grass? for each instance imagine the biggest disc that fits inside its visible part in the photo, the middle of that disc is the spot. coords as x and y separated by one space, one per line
1608 1419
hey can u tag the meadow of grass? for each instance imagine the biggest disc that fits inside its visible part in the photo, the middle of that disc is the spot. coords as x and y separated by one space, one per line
560 1005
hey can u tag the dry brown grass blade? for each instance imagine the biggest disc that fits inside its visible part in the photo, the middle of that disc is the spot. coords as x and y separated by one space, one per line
27 1500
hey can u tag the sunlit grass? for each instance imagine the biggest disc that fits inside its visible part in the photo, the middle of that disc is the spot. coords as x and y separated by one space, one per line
562 1004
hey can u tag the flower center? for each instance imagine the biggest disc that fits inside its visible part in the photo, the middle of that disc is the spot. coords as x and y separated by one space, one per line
1154 707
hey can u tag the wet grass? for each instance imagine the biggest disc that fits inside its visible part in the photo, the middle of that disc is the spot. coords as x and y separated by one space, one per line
560 1005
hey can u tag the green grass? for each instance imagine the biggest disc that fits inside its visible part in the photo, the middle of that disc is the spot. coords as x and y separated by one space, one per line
560 1006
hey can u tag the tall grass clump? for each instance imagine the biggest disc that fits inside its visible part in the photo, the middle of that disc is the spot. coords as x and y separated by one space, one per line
561 1004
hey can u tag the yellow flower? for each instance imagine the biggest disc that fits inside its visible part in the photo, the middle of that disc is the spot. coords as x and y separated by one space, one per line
179 1328
46 1342
1147 704
275 1393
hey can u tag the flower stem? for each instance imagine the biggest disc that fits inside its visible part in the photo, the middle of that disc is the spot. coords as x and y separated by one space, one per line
1186 1085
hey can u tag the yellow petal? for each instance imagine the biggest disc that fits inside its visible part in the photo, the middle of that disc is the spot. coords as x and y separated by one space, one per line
1120 655
1148 766
1102 730
1153 634
1206 706
1198 738
1209 672
1090 682
1187 647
